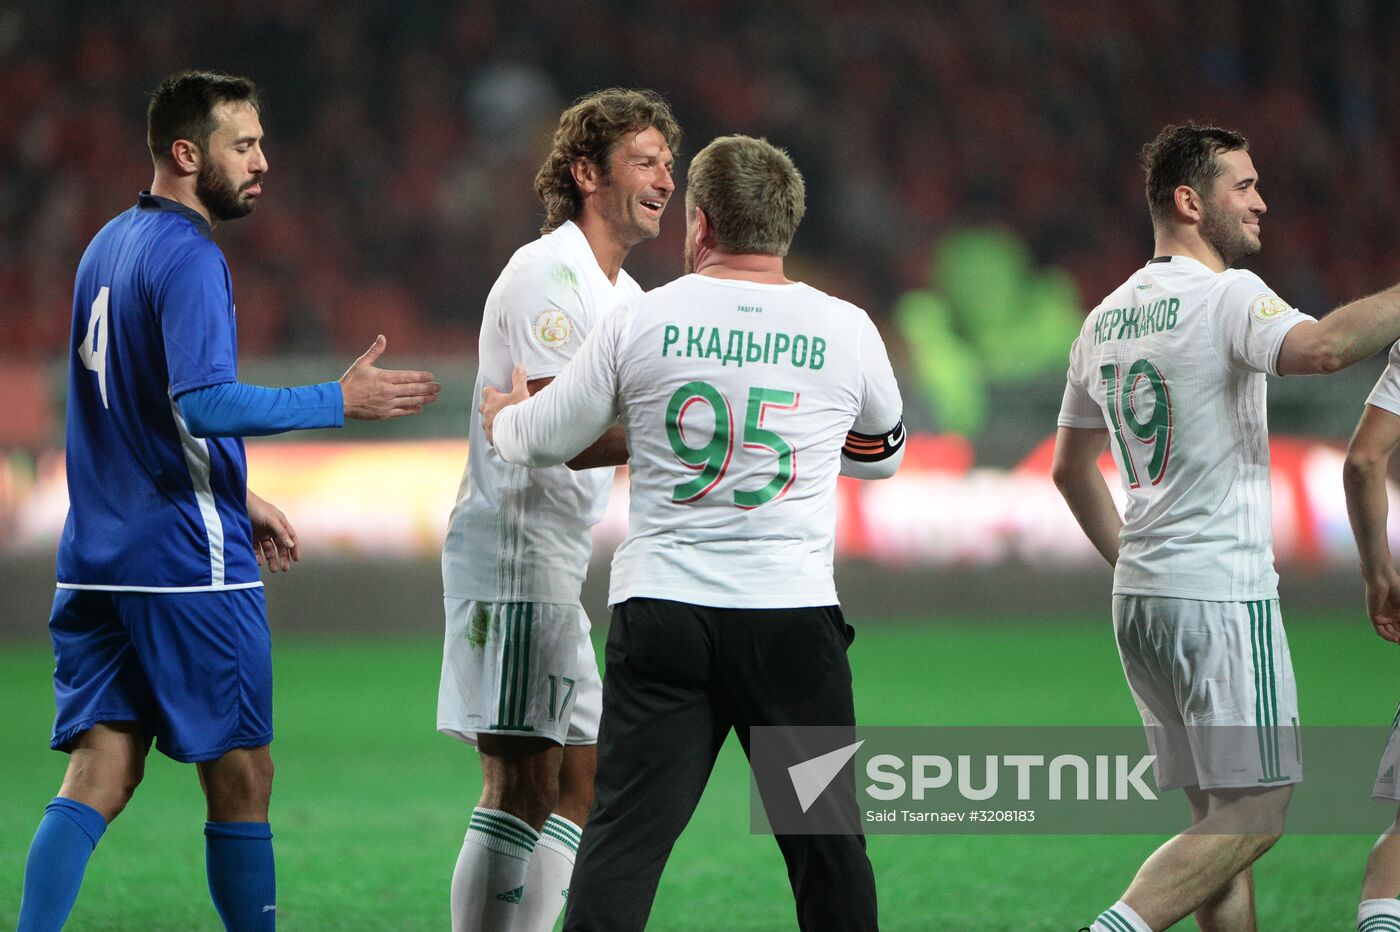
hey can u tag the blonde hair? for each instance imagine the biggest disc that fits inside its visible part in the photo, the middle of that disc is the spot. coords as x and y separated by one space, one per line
590 129
751 192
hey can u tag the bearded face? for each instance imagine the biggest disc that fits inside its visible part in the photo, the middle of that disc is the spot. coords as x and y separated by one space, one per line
217 191
232 165
1231 233
1231 210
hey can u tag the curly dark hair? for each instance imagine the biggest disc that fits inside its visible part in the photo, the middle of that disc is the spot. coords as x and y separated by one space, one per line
589 129
1184 154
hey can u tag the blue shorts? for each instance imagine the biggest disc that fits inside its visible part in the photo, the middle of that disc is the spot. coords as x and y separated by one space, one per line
193 668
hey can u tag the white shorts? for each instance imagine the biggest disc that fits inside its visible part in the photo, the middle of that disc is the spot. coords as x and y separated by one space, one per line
1388 774
1213 682
519 668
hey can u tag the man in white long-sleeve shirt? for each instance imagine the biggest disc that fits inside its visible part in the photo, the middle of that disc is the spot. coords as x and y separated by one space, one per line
743 395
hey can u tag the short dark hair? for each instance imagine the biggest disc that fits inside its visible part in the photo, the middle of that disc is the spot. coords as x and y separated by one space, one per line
751 192
590 129
183 108
1184 154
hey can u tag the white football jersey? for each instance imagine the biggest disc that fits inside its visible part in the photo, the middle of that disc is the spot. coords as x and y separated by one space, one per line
518 534
1173 363
1386 394
737 398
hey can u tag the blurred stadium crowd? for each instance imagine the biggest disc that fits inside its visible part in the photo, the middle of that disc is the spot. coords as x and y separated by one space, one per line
403 138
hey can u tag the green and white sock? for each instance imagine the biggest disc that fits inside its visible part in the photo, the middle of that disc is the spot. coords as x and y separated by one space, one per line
489 880
1120 917
547 876
1378 916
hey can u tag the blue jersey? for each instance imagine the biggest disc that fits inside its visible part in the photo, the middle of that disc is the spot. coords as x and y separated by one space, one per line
151 507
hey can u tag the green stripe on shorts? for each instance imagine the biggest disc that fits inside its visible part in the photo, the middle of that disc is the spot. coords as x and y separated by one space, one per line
1259 685
504 613
523 686
1266 690
516 630
517 639
1273 689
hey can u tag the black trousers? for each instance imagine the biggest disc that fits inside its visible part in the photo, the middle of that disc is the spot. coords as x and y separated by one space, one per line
678 678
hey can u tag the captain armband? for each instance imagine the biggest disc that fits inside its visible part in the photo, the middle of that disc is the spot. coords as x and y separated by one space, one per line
871 448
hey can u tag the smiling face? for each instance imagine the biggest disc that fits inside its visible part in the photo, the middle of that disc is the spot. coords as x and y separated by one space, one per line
231 170
1231 211
633 194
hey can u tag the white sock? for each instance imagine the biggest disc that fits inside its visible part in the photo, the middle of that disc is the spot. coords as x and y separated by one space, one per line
1378 916
1120 917
547 876
489 880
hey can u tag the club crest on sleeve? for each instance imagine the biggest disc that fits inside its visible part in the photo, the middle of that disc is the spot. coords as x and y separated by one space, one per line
1267 307
553 329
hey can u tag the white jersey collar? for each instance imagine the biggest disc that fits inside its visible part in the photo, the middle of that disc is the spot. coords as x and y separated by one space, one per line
1175 261
577 243
746 284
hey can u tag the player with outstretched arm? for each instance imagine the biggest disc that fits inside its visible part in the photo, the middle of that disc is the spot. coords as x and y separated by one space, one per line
1169 372
159 625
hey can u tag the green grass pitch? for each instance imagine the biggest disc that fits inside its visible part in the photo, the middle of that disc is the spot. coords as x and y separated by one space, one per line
370 804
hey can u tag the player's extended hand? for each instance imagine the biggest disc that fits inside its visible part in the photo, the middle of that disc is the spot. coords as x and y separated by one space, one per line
373 394
493 401
274 539
1383 605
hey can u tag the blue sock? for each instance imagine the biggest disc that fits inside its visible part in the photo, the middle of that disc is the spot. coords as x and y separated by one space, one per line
58 856
238 859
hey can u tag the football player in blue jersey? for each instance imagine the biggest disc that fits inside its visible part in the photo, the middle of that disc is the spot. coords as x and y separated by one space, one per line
159 625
